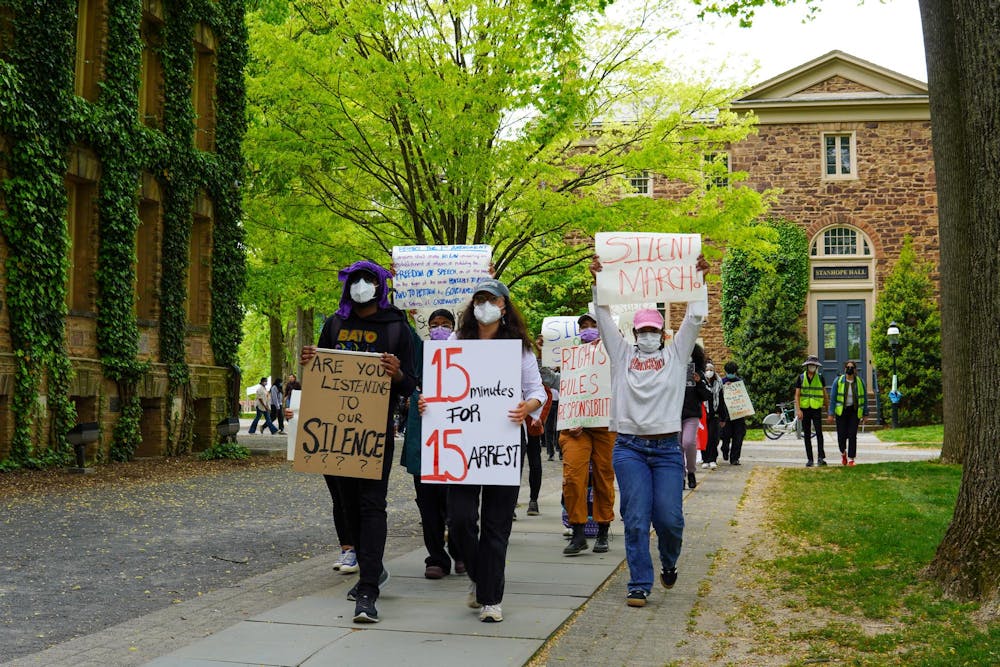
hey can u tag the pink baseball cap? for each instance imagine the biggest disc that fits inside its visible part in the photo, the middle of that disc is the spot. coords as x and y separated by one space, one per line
647 317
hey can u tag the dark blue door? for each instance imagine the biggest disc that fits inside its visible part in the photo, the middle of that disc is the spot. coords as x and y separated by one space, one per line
843 335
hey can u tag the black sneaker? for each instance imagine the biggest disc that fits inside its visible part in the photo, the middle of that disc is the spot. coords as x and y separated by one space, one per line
692 482
822 462
668 577
352 594
364 610
636 598
809 464
533 508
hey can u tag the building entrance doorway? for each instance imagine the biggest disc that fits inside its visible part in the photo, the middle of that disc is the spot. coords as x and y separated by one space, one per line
843 335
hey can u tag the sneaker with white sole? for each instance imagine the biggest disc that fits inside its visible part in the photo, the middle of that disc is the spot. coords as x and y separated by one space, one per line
349 562
491 613
340 559
713 465
471 600
704 466
364 610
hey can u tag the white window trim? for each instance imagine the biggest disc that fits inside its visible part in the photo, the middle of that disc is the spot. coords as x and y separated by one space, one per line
629 191
854 157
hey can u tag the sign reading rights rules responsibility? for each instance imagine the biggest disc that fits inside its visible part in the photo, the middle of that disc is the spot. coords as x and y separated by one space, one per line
438 276
584 387
466 435
640 267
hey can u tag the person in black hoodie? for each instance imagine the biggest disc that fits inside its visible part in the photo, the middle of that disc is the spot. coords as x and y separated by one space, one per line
367 322
695 393
733 430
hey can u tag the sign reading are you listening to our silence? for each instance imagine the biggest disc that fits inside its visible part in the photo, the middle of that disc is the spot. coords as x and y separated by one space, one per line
640 267
466 434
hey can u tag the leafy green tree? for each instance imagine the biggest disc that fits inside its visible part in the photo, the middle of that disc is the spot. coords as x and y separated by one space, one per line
768 343
907 298
744 266
478 121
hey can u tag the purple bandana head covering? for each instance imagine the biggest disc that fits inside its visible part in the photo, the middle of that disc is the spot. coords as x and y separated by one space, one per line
380 274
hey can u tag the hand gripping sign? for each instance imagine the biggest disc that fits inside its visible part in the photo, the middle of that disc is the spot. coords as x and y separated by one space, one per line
639 267
343 415
468 438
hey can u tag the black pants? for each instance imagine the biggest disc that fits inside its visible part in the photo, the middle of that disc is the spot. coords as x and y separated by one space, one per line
485 548
551 434
279 414
813 418
432 501
531 446
736 430
362 503
847 431
711 452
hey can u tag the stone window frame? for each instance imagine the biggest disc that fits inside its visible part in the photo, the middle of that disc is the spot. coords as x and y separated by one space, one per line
852 153
151 83
825 240
199 279
640 184
203 85
91 36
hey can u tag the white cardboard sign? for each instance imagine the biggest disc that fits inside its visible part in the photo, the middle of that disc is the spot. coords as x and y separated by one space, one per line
466 434
737 400
639 267
558 332
438 276
584 387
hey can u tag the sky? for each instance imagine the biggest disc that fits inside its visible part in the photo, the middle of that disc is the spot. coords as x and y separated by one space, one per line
885 33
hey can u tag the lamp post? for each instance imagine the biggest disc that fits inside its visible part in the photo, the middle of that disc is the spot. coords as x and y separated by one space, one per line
892 333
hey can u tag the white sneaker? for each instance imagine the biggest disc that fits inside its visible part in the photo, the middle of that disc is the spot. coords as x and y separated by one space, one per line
704 466
713 465
340 559
491 613
349 562
471 599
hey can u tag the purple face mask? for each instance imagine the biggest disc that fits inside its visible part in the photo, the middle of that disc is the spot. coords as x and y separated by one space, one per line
440 333
589 335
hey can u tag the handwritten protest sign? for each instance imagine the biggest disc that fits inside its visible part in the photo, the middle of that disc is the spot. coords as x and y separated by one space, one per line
556 333
737 400
467 436
584 387
342 416
438 276
641 267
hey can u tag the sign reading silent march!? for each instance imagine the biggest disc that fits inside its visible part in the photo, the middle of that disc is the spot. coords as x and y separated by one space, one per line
467 436
640 267
342 415
438 276
584 387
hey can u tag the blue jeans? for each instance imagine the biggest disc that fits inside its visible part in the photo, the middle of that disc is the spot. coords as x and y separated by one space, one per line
267 422
651 481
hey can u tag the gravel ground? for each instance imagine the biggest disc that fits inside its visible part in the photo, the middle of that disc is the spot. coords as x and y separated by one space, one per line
82 553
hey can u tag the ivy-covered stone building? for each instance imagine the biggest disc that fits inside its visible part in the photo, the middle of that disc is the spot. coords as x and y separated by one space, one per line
121 263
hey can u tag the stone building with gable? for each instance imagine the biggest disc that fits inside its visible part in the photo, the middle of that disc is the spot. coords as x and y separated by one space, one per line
848 144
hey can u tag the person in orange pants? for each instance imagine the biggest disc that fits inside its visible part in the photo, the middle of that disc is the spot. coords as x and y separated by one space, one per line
583 450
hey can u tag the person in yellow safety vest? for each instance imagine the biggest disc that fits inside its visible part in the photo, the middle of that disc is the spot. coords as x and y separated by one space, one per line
848 403
810 397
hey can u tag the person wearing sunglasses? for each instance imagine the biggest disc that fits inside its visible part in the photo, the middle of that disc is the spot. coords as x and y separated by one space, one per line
848 406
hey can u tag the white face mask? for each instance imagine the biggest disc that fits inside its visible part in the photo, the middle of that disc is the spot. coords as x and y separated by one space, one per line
648 342
486 312
362 291
709 374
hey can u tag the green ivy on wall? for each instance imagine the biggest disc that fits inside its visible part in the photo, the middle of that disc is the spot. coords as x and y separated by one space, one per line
42 119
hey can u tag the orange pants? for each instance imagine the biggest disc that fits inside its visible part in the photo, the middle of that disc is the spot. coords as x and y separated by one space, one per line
591 446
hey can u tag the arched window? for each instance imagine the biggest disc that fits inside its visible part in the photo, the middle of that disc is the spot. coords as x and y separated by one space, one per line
841 242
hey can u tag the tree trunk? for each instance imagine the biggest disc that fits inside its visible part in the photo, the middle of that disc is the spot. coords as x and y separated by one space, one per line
277 346
961 38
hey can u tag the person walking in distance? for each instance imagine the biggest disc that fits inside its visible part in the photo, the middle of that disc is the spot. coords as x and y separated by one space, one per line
810 397
848 405
587 455
714 384
647 394
262 404
695 393
734 430
367 322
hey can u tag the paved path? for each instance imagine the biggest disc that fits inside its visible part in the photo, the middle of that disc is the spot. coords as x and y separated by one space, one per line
561 610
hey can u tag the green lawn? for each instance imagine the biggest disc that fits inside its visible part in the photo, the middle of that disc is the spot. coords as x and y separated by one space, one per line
914 436
855 541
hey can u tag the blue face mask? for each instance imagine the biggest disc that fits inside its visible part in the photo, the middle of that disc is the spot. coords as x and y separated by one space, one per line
440 333
589 335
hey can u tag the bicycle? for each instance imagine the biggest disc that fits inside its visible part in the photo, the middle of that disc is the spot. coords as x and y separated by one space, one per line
785 420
